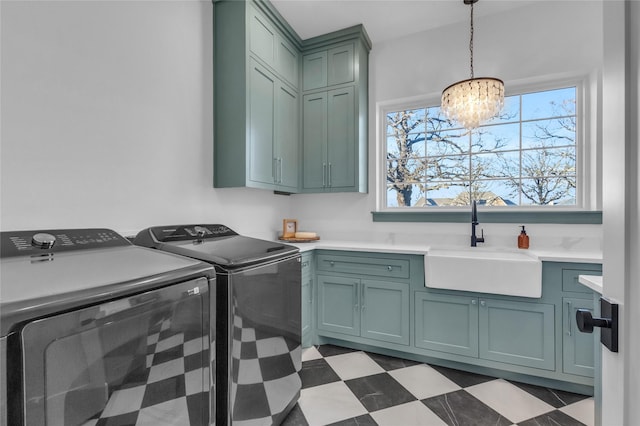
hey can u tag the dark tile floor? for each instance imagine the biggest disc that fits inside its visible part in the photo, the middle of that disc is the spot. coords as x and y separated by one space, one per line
345 387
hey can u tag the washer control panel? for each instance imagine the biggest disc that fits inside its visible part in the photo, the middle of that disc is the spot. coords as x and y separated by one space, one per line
22 243
165 234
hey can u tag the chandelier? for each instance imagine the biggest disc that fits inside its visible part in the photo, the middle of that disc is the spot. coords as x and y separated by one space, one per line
475 100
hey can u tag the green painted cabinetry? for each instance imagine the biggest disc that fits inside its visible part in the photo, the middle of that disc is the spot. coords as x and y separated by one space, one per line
256 98
378 302
363 295
446 323
508 331
578 348
335 112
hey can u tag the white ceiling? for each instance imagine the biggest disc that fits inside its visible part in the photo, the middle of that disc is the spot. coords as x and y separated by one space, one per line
383 19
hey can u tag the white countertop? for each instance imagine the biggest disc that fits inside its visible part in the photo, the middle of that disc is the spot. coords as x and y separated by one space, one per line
546 255
594 282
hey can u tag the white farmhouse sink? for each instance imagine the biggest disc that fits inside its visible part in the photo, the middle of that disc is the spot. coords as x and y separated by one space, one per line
511 273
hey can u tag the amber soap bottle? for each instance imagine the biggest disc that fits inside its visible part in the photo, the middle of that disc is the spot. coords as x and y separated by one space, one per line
523 239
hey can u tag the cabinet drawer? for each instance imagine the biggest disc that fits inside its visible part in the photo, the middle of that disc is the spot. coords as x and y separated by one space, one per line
383 267
570 279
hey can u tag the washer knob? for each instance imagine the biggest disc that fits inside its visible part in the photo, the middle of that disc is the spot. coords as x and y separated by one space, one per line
43 240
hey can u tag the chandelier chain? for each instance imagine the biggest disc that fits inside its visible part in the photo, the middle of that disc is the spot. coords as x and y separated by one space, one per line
471 41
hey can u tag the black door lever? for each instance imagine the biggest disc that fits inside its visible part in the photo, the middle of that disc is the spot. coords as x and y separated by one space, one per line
609 323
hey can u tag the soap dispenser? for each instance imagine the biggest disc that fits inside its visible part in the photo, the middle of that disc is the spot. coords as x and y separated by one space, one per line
523 239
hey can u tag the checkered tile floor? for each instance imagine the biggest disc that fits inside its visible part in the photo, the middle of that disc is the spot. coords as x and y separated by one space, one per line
345 387
165 384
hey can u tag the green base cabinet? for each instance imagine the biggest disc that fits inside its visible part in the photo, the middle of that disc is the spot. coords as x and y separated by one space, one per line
378 302
519 333
578 356
498 330
371 309
446 323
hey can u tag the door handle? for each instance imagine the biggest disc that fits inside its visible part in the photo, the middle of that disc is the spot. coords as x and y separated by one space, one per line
608 323
324 174
329 180
569 325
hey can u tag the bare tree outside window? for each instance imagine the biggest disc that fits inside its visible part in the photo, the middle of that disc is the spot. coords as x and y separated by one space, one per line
524 157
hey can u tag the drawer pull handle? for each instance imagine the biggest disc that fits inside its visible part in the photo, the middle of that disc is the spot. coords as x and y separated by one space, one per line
474 302
332 263
390 268
483 303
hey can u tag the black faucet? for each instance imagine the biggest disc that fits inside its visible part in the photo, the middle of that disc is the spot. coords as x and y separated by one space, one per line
474 222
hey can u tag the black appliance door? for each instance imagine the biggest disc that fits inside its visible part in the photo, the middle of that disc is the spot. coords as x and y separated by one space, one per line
142 359
264 352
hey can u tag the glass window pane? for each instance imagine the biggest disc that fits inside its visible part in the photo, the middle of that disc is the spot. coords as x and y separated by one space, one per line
549 162
447 143
496 138
510 111
436 120
501 192
549 191
550 103
413 143
407 121
448 194
448 168
404 196
405 170
494 165
549 133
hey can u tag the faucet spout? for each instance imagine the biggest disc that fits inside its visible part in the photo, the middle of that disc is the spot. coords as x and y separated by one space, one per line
474 222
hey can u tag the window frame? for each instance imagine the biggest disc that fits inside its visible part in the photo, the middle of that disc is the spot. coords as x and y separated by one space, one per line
585 175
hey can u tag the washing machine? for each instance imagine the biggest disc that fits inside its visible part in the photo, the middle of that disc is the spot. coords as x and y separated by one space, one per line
259 324
98 331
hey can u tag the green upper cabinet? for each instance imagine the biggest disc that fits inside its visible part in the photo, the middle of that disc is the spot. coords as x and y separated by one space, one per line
289 115
335 112
328 67
257 102
329 141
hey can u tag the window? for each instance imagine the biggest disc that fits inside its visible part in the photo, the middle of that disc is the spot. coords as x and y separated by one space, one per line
526 157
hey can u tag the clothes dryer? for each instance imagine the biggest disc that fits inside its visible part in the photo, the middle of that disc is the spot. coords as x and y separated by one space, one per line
95 330
259 324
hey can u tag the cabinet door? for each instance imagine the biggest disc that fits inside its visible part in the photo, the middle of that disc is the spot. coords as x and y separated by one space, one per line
339 304
341 139
385 311
517 333
314 70
261 119
446 323
340 65
314 139
287 61
578 348
262 37
286 139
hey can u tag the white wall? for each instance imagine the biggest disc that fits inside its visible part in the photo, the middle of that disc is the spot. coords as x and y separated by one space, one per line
106 119
106 116
521 45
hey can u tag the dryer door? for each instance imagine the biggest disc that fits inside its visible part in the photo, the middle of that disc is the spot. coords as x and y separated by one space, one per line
143 359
